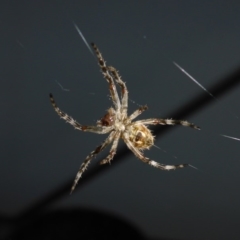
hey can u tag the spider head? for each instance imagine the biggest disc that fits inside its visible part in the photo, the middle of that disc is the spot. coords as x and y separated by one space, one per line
108 119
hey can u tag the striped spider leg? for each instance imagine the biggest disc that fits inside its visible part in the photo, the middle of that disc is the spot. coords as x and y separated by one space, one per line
118 124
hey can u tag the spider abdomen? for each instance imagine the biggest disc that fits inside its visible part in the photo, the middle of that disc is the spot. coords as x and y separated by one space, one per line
140 136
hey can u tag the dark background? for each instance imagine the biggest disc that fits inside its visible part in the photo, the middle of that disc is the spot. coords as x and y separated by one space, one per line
40 154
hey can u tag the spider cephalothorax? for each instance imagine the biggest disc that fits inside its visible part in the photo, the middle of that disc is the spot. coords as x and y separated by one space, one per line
118 124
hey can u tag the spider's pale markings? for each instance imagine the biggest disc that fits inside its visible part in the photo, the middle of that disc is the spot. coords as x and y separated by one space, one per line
89 48
201 86
161 149
185 72
136 135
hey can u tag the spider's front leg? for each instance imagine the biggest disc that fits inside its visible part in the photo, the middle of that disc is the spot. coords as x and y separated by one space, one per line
108 77
75 124
124 91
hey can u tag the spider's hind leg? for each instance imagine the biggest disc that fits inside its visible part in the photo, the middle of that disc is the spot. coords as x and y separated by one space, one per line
124 91
153 163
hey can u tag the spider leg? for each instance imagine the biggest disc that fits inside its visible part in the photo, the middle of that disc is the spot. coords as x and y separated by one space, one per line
123 87
86 162
112 150
75 124
138 112
139 155
155 121
108 77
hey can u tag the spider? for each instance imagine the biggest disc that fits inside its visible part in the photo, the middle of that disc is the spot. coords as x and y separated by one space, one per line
118 124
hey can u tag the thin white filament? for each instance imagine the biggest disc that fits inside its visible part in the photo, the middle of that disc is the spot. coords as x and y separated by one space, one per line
64 89
193 167
164 151
199 84
234 138
83 38
193 79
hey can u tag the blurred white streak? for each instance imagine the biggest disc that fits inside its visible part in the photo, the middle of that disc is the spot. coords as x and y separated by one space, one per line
234 138
83 38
